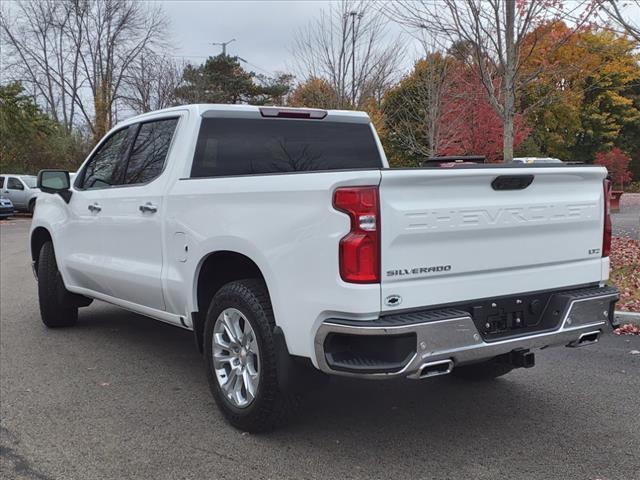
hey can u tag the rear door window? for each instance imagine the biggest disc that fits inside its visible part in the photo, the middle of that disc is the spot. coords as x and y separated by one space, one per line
233 146
149 151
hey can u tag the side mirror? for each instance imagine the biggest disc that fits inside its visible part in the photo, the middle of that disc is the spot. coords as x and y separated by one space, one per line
55 181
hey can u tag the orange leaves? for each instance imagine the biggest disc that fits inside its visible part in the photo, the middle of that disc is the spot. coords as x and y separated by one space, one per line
315 93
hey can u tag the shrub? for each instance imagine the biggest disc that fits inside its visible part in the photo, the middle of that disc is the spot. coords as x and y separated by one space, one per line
617 163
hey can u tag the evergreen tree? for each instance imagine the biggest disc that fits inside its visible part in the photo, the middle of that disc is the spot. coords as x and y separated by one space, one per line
222 79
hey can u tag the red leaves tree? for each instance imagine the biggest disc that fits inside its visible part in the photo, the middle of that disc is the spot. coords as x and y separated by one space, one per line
478 128
617 163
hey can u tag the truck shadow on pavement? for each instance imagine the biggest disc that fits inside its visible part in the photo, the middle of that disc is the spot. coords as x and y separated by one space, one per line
441 409
147 381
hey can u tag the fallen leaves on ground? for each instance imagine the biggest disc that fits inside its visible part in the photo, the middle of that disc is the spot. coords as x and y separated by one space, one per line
627 329
625 272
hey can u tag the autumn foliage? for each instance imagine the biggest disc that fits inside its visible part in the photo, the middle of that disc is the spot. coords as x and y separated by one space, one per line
582 97
578 95
315 92
460 121
617 163
479 129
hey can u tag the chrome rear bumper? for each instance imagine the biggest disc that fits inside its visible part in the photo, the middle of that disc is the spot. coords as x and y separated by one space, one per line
449 335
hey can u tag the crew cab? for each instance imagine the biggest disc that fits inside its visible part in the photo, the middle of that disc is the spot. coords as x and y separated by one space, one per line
284 241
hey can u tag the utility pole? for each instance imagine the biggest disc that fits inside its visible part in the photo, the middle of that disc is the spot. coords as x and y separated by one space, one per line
353 16
224 45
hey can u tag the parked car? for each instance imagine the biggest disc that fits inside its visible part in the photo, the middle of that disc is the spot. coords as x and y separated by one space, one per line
453 161
21 190
6 208
536 160
281 238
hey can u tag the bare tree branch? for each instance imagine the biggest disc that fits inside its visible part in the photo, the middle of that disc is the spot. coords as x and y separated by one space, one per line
495 31
325 50
151 82
418 124
615 12
76 55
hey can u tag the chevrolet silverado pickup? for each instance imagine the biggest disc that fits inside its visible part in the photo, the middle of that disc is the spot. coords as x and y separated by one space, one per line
284 241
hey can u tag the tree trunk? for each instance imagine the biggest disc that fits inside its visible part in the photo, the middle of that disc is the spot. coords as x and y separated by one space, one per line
101 106
508 135
509 91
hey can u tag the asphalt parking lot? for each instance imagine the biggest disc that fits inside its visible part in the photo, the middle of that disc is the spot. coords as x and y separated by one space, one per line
122 396
626 223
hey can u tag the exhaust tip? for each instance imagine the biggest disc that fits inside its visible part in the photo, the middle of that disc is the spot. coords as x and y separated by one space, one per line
434 369
588 338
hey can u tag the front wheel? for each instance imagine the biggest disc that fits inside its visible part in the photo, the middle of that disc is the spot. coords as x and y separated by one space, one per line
56 308
241 357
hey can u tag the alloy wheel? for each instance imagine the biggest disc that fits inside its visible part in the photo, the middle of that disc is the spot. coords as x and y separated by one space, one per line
236 357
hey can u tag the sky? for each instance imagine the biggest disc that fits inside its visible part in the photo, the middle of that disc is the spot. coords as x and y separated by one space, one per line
264 30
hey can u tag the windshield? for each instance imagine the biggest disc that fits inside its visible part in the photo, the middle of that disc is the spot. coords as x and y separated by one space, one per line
29 181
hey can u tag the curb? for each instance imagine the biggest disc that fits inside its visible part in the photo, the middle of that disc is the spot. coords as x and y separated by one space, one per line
626 317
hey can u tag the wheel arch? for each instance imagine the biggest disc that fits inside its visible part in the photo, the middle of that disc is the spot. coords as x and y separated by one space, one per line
39 237
217 269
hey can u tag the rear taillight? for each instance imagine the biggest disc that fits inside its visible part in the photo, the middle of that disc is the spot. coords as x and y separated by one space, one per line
606 237
360 248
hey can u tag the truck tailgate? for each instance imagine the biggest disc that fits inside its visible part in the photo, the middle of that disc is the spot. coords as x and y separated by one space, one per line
448 235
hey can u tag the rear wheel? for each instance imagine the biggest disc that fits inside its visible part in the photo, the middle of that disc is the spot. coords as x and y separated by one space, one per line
241 357
487 370
56 307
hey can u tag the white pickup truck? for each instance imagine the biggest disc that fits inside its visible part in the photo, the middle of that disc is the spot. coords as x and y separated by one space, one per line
282 238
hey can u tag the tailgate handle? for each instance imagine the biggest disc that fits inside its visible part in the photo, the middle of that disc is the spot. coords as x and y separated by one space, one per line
511 182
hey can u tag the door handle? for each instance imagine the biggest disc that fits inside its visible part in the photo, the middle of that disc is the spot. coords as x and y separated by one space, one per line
94 208
148 207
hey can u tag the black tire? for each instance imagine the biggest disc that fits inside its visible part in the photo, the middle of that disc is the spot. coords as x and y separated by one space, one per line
32 206
56 307
270 407
487 370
